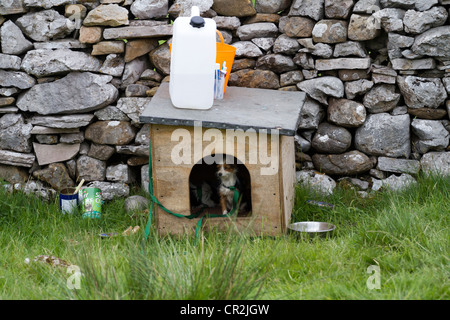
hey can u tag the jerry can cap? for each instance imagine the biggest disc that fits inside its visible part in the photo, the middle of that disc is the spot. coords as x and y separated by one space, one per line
197 22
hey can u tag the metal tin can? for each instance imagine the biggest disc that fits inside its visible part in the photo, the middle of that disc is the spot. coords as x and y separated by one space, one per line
92 202
68 200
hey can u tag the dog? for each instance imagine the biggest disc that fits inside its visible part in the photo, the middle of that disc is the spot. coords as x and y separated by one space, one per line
227 175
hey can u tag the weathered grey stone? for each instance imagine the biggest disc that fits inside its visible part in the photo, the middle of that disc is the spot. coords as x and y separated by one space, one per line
13 40
346 113
286 45
46 4
296 26
111 190
321 50
309 8
384 135
16 158
228 23
338 9
417 22
51 153
419 64
366 6
72 138
390 19
107 15
431 135
8 92
301 145
422 92
9 62
434 42
136 32
394 183
114 65
342 63
15 135
321 88
141 150
8 7
405 4
16 79
247 49
264 79
7 101
257 30
136 203
47 138
362 28
276 62
108 47
120 172
42 63
330 138
398 165
52 131
182 8
304 60
62 122
399 41
349 163
111 113
143 9
349 48
13 174
321 183
291 78
381 98
56 175
133 70
423 5
132 107
352 75
91 169
271 6
60 44
330 31
75 93
101 151
45 25
311 115
358 87
110 132
436 163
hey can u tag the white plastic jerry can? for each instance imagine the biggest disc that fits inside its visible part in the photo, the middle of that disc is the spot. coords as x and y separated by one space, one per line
193 59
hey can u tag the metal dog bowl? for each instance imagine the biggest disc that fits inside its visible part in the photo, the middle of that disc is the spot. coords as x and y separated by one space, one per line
312 228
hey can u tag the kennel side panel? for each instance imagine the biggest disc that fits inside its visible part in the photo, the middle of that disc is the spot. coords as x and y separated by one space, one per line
288 179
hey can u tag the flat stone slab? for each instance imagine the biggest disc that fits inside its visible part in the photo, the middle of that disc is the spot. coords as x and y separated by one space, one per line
342 63
135 32
52 153
241 108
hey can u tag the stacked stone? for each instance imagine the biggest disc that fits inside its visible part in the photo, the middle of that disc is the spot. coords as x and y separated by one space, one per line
75 76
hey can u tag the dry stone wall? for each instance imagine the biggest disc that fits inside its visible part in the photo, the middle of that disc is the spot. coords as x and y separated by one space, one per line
75 76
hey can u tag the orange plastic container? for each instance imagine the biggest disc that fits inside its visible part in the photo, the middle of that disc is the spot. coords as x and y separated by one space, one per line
226 53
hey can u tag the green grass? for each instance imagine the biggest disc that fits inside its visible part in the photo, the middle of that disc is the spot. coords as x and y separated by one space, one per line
406 234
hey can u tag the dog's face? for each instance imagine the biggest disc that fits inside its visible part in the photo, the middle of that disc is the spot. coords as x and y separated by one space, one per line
225 170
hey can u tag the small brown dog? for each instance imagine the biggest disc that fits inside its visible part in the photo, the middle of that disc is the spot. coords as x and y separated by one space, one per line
228 179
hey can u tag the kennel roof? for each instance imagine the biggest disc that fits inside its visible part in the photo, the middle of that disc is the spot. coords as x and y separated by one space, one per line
241 108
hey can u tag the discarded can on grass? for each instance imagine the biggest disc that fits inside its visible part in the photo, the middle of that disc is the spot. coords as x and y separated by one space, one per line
68 200
92 202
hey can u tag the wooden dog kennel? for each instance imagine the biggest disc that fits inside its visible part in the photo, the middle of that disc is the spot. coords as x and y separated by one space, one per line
250 122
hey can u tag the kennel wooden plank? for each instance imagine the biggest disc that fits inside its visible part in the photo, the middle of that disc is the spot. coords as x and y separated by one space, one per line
288 179
241 108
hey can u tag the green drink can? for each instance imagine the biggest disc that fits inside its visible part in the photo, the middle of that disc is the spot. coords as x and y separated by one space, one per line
92 203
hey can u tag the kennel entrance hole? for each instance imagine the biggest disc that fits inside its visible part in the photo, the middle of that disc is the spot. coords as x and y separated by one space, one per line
204 172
